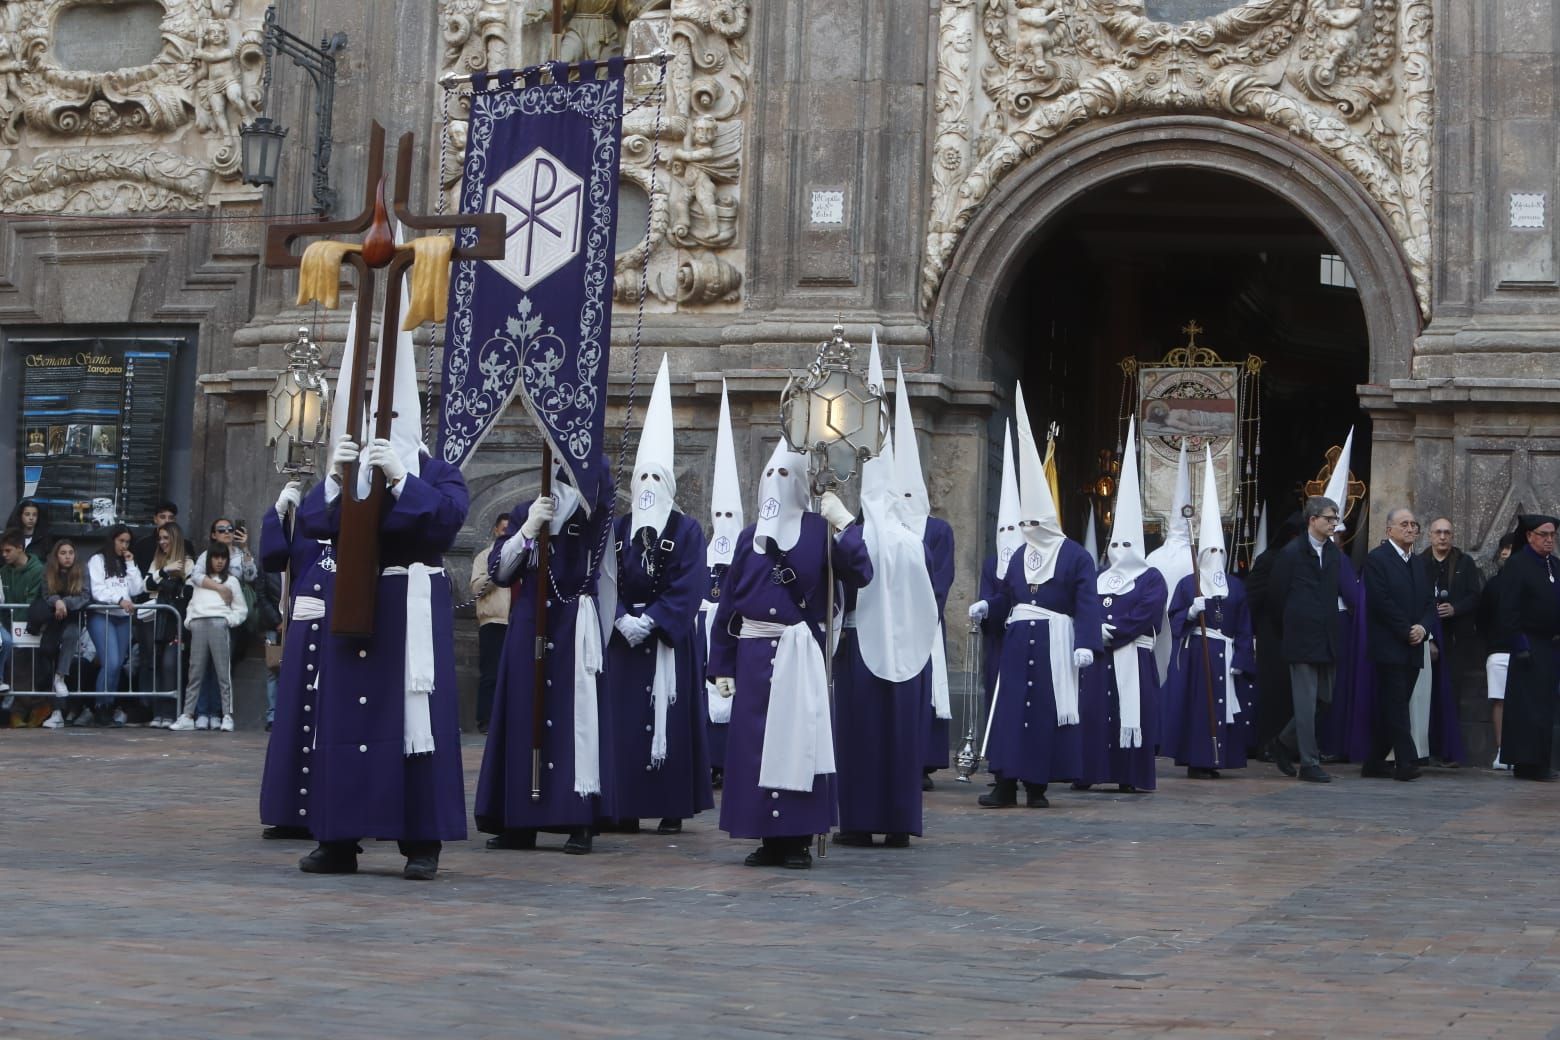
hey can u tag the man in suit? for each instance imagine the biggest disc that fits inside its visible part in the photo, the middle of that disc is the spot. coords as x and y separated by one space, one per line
1275 701
1399 606
1306 594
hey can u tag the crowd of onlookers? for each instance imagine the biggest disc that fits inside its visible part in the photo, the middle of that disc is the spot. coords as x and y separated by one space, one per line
123 627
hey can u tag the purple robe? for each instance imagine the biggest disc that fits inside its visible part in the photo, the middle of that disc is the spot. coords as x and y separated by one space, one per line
879 734
715 732
680 786
504 783
1136 612
364 784
748 810
1359 735
1352 670
938 539
1186 732
313 574
1026 742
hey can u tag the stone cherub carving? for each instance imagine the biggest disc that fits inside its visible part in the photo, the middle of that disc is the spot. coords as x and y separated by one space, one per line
708 158
475 35
1037 28
219 82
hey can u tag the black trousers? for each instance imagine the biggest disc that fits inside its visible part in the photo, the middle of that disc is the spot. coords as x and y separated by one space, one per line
490 646
1391 731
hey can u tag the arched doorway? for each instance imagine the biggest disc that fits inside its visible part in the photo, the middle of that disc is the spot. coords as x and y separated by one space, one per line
1106 244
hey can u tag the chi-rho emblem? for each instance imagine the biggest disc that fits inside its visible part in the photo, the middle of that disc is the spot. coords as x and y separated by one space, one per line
543 204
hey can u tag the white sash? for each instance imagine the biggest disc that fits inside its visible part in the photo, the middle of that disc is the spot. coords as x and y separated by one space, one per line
1064 674
418 673
1231 702
798 738
587 725
308 608
663 692
940 703
720 707
1129 690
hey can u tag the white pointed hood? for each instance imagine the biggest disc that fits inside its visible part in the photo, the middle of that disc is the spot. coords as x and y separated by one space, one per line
1042 530
653 485
782 499
907 456
1125 555
726 518
896 612
1091 541
1212 563
1261 544
1338 482
1009 541
406 425
1173 559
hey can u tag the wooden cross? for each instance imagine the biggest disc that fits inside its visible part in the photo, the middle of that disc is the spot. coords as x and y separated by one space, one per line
357 543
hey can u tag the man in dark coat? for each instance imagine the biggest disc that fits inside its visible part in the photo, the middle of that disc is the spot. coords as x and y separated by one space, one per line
1306 592
1457 585
1528 607
1275 702
1399 609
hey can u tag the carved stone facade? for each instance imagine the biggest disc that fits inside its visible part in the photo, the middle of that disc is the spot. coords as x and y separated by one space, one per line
153 137
684 160
1350 78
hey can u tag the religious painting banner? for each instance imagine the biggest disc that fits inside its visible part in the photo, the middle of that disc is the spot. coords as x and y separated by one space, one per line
1200 404
543 150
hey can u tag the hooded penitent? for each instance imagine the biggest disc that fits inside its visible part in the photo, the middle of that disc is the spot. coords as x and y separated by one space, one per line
1211 579
1126 565
1173 559
782 499
654 483
726 523
907 457
1038 522
1338 482
896 612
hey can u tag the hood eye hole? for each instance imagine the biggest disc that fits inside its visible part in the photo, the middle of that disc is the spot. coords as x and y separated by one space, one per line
784 472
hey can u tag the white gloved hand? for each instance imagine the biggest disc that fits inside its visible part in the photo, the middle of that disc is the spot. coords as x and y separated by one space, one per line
542 512
1199 605
833 510
979 610
381 455
725 685
345 454
635 629
1237 672
1108 633
1083 657
290 498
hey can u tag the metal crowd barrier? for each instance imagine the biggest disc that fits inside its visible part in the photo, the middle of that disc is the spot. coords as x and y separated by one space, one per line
29 683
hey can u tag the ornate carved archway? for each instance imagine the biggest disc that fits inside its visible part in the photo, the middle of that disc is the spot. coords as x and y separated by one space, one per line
1005 231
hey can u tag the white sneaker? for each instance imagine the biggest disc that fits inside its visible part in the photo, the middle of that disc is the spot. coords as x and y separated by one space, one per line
161 722
60 689
1498 764
203 722
5 688
120 718
227 723
183 724
54 721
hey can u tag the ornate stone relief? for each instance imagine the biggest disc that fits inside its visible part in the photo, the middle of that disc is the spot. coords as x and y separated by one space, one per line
161 135
694 145
1348 78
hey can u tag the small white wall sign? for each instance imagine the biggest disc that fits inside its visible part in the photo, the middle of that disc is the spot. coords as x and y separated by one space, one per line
1528 210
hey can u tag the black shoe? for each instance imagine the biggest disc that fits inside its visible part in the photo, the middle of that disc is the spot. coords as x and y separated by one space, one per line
1199 773
717 779
1406 775
1003 795
1534 773
285 833
1034 796
1315 775
669 826
1281 757
336 857
797 859
1132 788
421 868
765 856
514 839
1376 771
854 839
926 782
482 728
579 842
896 841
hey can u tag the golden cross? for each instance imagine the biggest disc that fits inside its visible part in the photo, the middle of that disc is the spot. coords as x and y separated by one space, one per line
1191 329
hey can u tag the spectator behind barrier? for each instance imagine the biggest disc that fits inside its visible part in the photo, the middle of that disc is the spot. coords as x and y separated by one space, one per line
64 596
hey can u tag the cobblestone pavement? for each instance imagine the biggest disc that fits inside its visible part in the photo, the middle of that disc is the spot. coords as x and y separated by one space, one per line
140 901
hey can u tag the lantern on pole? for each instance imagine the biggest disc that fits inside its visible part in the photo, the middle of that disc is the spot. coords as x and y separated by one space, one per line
831 414
299 409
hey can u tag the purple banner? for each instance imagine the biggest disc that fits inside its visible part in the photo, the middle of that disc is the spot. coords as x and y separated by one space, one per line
539 320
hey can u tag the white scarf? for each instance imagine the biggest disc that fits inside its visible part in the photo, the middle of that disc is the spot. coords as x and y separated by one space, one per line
1129 690
1064 673
587 725
798 738
663 692
940 702
418 663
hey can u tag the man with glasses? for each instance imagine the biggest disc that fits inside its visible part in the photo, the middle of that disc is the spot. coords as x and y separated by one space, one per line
1456 584
1306 591
1528 607
1399 610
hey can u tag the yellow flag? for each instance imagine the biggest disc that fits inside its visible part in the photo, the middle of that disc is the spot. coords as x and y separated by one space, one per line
1051 478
